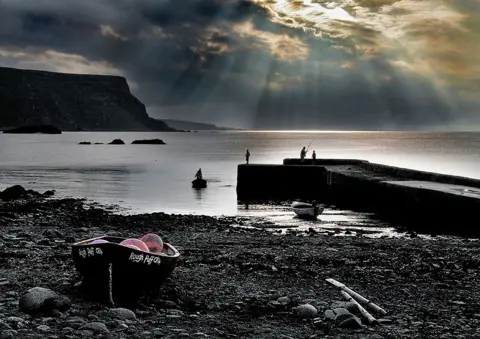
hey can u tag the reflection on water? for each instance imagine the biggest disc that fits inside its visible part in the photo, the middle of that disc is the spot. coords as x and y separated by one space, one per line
198 193
281 219
157 178
102 183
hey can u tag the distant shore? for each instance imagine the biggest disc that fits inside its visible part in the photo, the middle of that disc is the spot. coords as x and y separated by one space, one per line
428 287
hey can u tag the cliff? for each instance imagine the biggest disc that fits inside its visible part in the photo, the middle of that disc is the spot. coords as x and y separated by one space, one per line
190 125
71 102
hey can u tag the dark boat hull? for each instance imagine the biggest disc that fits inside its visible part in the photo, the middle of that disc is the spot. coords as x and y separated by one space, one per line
121 275
199 183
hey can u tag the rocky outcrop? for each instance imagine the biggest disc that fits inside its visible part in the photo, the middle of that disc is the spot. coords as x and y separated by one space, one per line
149 142
43 129
71 102
117 142
19 192
190 125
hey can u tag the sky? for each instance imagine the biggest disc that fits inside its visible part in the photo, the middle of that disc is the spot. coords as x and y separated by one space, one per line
266 64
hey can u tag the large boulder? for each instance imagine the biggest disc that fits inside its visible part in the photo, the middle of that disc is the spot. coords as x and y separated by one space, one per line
43 300
13 192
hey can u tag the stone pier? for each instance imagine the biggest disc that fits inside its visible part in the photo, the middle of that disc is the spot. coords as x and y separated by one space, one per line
428 202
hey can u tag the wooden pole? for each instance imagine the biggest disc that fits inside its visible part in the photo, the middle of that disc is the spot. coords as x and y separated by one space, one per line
357 296
363 311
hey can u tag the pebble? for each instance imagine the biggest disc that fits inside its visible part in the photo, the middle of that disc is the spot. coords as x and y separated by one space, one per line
121 313
43 328
8 334
14 320
330 315
352 322
94 327
283 301
305 311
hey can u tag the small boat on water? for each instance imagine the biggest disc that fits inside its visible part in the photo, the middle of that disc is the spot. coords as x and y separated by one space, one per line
199 183
306 210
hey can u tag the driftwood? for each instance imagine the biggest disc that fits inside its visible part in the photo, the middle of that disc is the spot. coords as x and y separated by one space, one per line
363 311
357 296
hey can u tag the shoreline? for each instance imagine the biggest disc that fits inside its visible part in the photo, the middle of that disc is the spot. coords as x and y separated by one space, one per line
428 287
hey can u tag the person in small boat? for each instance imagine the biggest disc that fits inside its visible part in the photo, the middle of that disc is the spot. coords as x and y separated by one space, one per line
303 153
314 156
247 156
199 174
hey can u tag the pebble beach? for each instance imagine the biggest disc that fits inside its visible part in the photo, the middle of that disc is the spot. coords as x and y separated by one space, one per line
234 282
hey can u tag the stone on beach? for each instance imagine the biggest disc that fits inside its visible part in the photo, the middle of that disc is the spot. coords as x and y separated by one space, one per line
305 311
42 300
225 285
121 313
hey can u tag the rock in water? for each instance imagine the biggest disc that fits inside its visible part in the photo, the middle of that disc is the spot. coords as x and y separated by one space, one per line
149 142
49 193
13 192
117 142
42 300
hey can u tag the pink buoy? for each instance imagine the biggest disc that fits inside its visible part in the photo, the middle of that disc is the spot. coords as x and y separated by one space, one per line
98 241
133 246
153 242
135 242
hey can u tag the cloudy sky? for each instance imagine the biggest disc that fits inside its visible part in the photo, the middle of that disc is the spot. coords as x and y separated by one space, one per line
266 64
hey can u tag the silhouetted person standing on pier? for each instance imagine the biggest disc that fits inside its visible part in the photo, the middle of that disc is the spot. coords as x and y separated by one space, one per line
247 156
303 153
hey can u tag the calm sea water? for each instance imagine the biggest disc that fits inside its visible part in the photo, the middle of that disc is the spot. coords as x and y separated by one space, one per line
148 178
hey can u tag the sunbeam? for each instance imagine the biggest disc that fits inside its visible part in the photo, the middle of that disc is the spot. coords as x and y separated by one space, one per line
349 64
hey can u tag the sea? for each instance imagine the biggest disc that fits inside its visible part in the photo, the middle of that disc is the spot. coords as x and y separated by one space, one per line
157 178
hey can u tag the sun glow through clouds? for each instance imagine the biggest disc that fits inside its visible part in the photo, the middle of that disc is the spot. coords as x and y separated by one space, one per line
416 36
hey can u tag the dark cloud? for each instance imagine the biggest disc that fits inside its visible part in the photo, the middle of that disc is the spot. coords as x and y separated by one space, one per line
225 61
333 102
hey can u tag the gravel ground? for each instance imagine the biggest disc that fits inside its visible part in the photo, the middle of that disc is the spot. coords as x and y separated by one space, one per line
234 282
